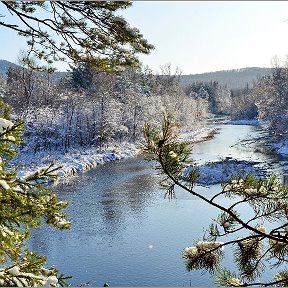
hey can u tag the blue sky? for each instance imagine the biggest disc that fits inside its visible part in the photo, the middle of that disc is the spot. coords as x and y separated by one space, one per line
200 36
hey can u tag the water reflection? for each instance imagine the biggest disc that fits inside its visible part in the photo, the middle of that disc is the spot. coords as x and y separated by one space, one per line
110 195
231 141
241 142
124 232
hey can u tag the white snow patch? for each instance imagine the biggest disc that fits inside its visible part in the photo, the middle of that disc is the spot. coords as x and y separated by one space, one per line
242 122
80 160
74 161
222 171
5 124
196 135
4 184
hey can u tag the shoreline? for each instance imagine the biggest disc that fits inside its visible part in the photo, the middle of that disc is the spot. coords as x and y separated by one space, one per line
80 160
77 161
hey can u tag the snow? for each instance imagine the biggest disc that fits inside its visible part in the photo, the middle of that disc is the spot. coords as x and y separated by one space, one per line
222 171
5 124
242 122
80 160
51 280
196 135
14 271
259 122
74 161
4 184
280 146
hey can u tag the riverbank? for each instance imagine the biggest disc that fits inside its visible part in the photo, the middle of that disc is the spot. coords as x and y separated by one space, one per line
199 135
74 161
228 164
244 122
279 146
222 171
81 160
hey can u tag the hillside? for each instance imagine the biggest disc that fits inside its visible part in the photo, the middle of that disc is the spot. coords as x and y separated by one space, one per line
234 79
4 65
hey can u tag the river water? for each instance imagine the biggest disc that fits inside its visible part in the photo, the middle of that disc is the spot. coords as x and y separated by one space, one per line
123 230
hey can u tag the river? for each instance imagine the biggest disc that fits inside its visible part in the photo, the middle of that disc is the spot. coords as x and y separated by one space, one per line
123 230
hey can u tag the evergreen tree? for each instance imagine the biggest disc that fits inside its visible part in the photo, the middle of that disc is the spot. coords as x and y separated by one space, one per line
25 203
82 76
87 32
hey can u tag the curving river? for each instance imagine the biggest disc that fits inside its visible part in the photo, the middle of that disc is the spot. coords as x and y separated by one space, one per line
123 230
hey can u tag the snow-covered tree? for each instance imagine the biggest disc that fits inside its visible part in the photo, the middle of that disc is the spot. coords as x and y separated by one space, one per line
270 94
218 96
28 89
20 88
112 107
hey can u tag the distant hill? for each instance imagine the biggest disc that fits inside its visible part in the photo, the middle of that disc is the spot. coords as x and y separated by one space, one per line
4 65
234 79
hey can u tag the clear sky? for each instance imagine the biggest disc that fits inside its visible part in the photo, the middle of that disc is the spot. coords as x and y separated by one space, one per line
200 36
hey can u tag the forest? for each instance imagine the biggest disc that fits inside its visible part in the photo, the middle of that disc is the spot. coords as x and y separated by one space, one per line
92 108
108 99
89 107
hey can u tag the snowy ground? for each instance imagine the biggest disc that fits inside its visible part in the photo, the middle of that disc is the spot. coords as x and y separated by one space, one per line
81 160
74 161
197 135
222 171
242 122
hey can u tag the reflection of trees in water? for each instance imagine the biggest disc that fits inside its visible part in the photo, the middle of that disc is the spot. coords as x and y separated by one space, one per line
101 209
129 199
102 203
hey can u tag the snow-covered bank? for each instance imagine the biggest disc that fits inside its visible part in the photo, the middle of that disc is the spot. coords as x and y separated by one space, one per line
222 171
198 135
279 146
242 122
74 161
80 160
